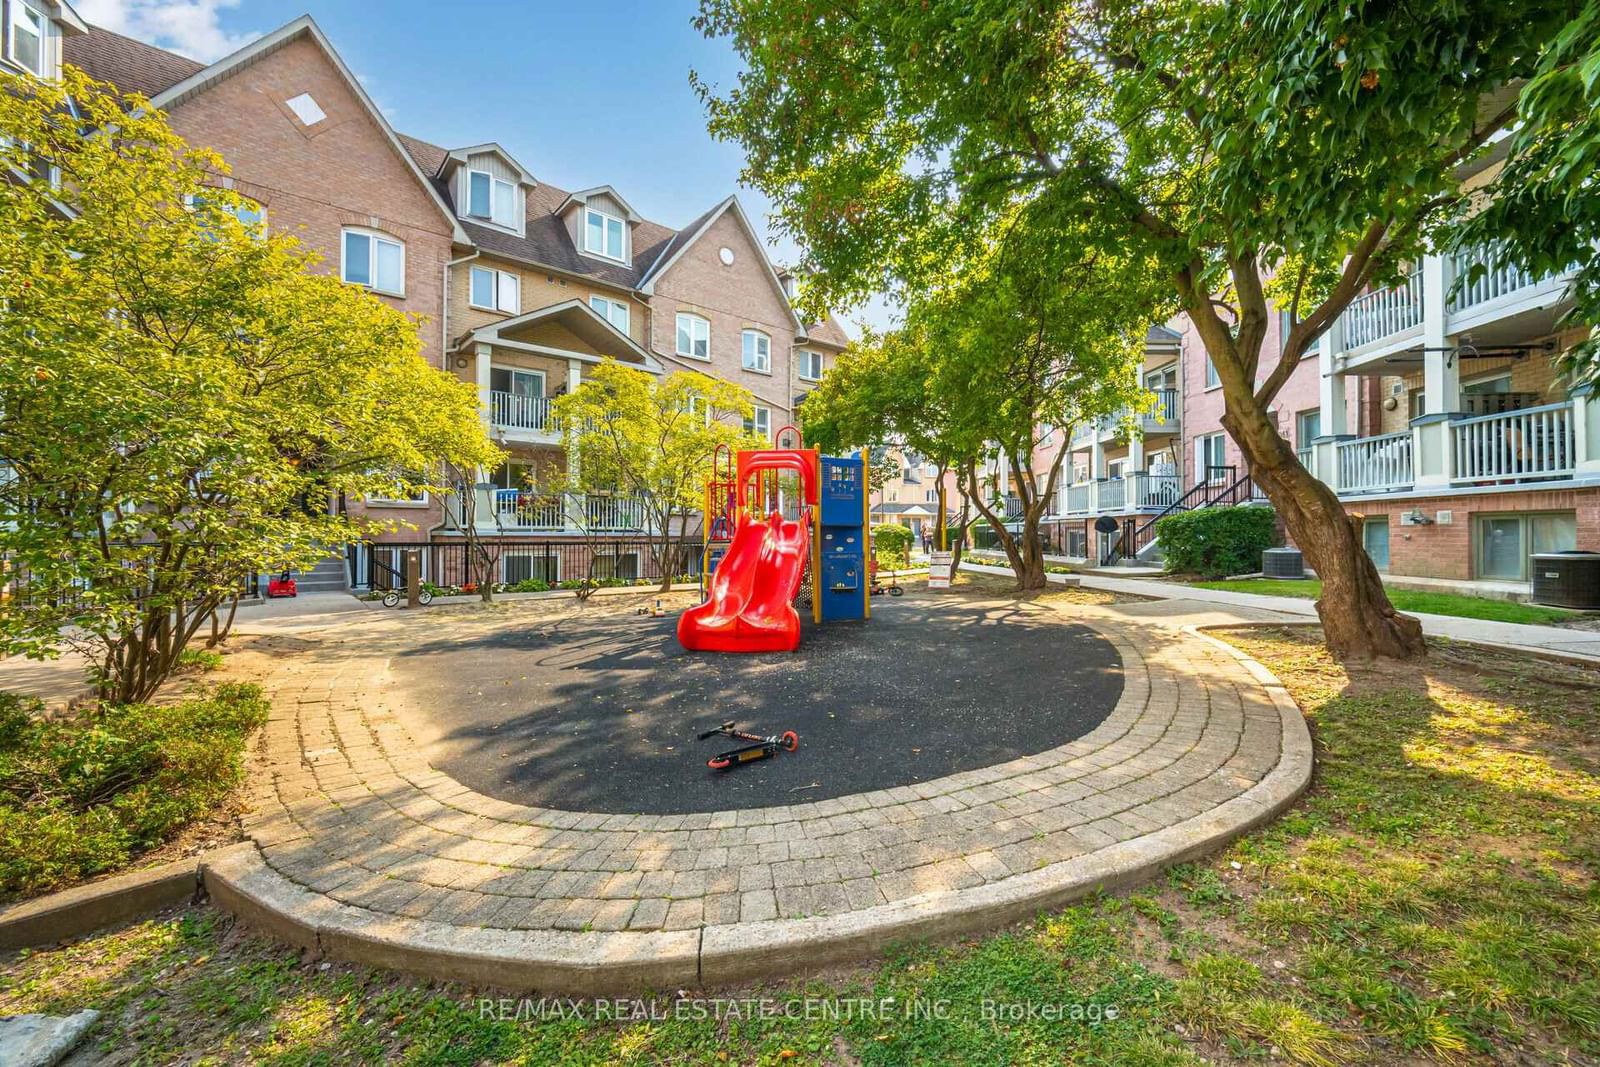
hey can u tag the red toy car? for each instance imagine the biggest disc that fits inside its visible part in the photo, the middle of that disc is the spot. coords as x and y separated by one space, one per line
282 585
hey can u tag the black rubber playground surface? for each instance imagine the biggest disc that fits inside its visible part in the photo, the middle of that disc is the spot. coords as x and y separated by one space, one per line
600 713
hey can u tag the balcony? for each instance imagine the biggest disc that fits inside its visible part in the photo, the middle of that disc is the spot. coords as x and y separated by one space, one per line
521 510
1162 418
1385 314
523 415
1138 492
1526 445
1529 445
1375 464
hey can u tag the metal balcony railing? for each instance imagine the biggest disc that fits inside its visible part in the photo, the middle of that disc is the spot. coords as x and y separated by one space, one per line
519 412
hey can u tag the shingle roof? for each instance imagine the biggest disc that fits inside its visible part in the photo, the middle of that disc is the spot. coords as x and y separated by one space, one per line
132 66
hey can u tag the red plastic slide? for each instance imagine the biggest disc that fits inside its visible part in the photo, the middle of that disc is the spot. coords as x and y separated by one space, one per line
750 608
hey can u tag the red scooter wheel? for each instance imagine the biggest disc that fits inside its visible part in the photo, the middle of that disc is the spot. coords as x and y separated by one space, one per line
719 763
791 741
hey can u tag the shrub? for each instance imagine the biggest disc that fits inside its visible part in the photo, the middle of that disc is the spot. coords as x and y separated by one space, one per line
891 543
85 793
1217 542
204 659
528 585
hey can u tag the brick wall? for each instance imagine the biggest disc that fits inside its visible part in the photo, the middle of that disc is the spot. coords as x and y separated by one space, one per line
1445 550
1203 407
732 299
540 289
343 171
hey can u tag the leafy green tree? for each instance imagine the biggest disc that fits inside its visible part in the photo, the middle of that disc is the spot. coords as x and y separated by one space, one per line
1543 208
1261 152
986 362
653 439
179 397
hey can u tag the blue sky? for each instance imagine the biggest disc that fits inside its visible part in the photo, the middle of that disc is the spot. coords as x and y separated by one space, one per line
582 94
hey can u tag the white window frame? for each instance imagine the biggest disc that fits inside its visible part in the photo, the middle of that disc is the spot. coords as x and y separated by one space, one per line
375 238
810 365
759 422
693 320
763 364
698 405
506 287
497 186
605 229
609 307
46 67
505 568
1213 380
1202 457
418 501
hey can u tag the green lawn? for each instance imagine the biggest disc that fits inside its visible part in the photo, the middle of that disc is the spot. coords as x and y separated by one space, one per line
1466 607
1432 899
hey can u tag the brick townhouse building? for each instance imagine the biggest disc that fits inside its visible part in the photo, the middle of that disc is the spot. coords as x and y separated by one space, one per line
520 285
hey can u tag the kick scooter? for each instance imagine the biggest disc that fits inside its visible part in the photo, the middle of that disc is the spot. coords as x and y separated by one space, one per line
763 748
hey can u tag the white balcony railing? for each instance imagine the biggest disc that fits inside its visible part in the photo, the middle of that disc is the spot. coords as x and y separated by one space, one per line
1155 491
1375 316
1531 443
1113 494
519 412
1499 278
518 509
1078 499
1372 464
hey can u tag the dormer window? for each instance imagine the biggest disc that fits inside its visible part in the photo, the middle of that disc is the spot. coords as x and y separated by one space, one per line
27 44
603 234
491 198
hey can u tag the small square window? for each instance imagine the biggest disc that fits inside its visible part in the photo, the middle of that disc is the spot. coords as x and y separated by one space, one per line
613 311
757 352
373 261
306 109
811 366
760 422
603 234
694 336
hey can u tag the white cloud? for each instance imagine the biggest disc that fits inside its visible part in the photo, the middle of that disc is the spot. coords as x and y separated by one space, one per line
188 27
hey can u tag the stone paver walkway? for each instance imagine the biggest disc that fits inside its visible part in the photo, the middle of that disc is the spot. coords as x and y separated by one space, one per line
364 851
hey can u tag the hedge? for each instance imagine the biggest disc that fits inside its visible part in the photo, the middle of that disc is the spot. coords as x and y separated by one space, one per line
892 544
1217 542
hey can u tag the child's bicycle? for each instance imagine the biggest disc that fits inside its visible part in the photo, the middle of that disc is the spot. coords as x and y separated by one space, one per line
877 588
394 596
763 748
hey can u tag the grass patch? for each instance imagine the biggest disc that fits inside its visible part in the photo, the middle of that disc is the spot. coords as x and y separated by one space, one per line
84 793
1466 607
1432 899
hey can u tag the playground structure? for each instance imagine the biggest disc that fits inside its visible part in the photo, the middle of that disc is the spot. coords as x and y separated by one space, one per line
755 557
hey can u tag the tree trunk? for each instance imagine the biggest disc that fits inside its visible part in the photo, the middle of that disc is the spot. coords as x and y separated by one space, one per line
1358 622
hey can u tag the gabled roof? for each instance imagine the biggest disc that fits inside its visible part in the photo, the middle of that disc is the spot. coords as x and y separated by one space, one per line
132 66
692 233
577 316
461 155
139 64
582 197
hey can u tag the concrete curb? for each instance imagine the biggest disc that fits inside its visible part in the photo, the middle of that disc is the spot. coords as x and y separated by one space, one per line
591 963
79 910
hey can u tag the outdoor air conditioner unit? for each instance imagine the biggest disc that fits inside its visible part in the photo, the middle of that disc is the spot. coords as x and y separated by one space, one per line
1567 579
1282 563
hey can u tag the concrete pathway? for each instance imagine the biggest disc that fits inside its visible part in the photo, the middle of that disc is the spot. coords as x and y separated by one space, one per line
367 853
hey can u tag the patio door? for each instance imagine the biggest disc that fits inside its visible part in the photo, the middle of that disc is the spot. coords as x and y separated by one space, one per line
518 397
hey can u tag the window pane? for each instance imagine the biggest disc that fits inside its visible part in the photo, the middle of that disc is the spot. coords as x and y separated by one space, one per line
510 293
619 316
358 258
685 335
1553 533
478 194
389 266
1501 548
483 287
505 203
1375 537
594 238
614 238
25 37
702 339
